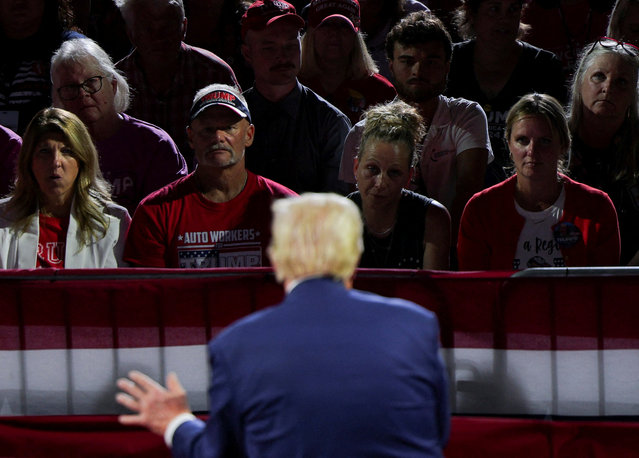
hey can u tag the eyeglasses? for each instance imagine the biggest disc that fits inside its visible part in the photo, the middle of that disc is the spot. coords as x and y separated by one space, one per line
72 91
611 43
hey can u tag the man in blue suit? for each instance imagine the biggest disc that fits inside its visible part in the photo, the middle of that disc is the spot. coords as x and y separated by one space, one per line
330 372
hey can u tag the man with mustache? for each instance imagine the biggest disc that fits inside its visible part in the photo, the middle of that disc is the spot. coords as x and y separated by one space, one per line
219 215
300 135
456 148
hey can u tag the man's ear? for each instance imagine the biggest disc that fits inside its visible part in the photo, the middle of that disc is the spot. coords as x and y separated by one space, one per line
246 54
390 63
189 135
184 24
411 174
355 166
250 135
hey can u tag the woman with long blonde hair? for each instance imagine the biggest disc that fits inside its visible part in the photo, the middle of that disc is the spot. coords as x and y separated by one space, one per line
60 213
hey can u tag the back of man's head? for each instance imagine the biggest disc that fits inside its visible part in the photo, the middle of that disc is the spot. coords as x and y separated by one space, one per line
417 28
315 234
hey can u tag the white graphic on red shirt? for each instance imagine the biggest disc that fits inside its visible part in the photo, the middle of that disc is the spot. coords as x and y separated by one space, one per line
52 254
226 248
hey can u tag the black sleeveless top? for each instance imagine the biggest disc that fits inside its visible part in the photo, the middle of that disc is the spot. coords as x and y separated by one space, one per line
404 247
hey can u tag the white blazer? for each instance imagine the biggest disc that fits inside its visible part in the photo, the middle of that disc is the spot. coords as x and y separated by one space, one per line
19 250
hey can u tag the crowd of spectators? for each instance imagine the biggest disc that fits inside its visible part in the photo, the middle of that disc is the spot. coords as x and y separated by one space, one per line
481 113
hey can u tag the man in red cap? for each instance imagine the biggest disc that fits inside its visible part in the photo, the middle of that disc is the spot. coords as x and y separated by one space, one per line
299 134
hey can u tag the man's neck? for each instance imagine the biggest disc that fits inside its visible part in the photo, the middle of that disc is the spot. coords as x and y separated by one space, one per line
221 184
274 93
159 74
494 55
426 108
290 284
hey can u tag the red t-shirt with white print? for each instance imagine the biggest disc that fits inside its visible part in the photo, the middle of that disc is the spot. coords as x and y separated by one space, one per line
52 241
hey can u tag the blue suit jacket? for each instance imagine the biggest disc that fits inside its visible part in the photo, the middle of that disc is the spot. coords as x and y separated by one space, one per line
330 372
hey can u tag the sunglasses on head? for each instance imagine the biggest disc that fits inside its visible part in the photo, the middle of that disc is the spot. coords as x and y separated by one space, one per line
611 43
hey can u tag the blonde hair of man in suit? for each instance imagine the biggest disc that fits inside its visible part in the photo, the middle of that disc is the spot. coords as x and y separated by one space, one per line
315 234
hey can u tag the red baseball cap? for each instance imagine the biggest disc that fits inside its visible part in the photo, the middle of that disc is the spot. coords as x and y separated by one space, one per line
321 10
263 13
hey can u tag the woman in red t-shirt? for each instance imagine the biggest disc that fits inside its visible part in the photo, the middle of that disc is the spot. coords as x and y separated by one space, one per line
60 212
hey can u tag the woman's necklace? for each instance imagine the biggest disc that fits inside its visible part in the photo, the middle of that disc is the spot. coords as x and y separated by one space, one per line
380 246
380 242
383 233
539 201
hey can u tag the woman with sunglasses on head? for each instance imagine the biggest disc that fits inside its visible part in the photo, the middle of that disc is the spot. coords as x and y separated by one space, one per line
603 119
60 214
538 217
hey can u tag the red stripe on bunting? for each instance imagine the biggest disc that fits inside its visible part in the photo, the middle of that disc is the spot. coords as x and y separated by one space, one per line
126 308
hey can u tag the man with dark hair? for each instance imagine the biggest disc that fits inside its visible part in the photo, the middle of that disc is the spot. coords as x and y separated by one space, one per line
456 148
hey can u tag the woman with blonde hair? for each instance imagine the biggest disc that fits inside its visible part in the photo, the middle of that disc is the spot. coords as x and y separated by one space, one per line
402 229
60 214
335 61
538 217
